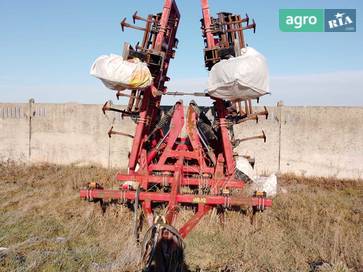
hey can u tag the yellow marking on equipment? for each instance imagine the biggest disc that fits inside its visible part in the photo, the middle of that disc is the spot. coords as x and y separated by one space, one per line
199 200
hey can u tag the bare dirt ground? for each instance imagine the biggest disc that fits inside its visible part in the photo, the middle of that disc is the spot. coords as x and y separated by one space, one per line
44 226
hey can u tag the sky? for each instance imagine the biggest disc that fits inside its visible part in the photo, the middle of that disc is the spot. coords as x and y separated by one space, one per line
48 47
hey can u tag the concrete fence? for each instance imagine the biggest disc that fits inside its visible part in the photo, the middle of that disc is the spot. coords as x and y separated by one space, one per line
312 141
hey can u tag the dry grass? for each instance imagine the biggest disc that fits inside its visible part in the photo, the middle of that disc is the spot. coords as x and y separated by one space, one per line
46 227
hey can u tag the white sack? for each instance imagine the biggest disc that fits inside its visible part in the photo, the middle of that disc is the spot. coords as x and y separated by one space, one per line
245 171
241 78
266 184
119 74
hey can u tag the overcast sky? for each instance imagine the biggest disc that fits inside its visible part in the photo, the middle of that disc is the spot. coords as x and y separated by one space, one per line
47 48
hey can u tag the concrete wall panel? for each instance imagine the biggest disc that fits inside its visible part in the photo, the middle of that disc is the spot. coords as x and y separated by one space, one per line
322 141
14 132
313 141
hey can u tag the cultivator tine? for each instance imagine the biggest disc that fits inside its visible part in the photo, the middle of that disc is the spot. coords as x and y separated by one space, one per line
254 116
125 24
136 17
137 46
107 107
243 20
251 26
112 132
249 118
262 136
263 113
246 19
120 93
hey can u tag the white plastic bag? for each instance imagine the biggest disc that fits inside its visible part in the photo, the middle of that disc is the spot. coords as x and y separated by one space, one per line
245 172
241 78
266 184
119 74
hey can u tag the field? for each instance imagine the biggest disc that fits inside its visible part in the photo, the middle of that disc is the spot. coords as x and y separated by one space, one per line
44 226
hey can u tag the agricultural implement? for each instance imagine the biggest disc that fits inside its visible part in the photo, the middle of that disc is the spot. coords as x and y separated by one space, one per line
180 156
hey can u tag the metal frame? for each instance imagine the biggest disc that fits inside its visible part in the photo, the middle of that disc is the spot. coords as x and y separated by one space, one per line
171 162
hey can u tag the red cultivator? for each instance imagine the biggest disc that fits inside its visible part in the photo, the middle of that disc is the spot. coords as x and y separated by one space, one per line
180 157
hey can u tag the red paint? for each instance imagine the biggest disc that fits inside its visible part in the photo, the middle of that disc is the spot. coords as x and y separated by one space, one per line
179 160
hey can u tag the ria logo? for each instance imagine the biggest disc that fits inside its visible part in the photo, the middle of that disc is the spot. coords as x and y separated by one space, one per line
340 20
